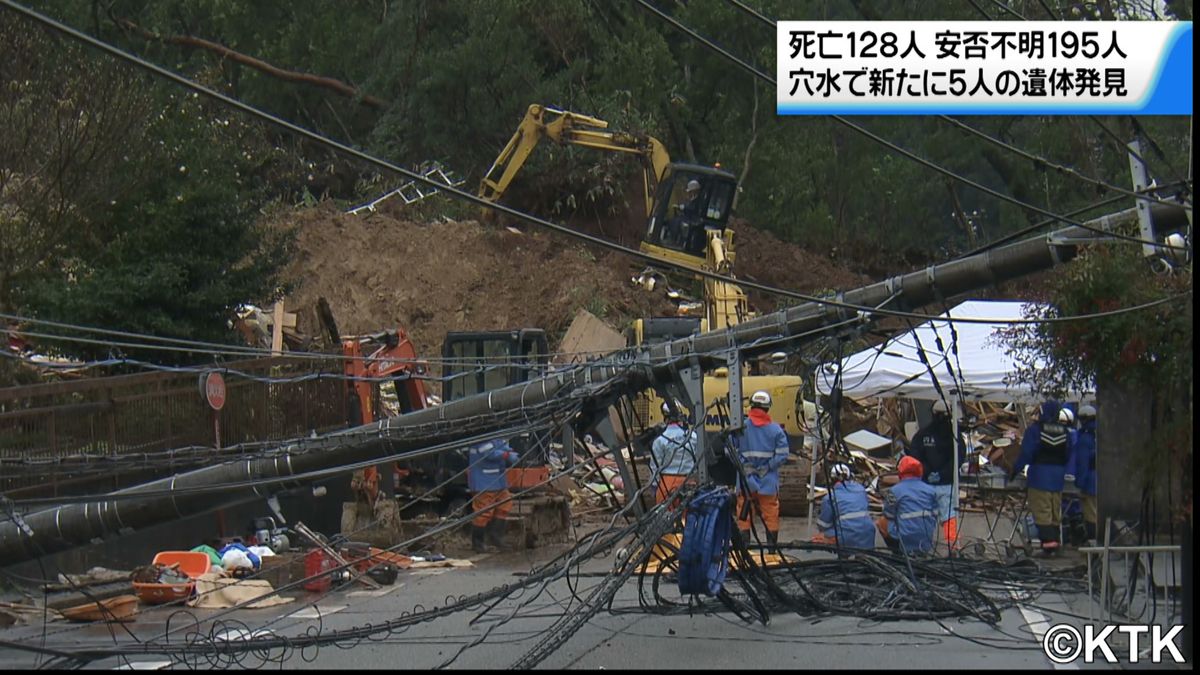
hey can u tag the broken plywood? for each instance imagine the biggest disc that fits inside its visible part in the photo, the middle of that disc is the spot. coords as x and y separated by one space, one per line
587 337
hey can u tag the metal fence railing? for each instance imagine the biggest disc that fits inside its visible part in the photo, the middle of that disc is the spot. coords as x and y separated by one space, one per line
1138 584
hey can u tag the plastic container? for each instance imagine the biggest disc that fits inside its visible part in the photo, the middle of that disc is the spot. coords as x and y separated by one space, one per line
191 563
157 594
317 562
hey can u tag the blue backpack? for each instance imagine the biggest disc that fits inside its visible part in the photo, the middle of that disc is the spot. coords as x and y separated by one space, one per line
704 552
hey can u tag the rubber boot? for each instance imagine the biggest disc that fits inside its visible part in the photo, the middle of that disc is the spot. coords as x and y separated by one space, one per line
1049 536
950 530
495 533
773 538
477 538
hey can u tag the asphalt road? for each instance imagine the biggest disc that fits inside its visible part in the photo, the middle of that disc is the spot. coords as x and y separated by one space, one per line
608 641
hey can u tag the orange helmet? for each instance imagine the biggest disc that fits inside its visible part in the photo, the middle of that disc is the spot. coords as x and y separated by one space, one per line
911 467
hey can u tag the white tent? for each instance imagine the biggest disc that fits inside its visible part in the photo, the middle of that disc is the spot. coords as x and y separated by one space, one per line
981 367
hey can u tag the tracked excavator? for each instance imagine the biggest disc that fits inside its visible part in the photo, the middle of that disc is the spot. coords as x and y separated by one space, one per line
688 208
387 378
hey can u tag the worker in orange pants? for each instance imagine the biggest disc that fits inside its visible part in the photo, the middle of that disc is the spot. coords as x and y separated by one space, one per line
491 518
673 454
768 506
762 448
491 501
667 485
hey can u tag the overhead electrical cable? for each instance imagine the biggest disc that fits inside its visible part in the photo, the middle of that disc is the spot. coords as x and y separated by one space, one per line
598 241
892 146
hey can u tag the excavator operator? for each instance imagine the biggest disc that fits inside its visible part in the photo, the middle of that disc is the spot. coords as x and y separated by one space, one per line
687 215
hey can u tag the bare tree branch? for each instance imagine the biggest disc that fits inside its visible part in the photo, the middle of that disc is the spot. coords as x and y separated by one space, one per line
749 147
332 84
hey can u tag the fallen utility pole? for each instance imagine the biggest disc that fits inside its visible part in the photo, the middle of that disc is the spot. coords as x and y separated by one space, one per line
627 371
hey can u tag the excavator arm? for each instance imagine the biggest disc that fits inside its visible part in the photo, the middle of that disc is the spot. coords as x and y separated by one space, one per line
725 303
389 354
568 128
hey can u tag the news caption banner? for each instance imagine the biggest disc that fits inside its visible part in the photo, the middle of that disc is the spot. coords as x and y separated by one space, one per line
984 68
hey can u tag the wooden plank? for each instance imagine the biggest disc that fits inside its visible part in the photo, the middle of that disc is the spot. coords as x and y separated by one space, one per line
277 329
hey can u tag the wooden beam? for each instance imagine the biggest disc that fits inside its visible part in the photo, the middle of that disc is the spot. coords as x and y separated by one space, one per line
277 330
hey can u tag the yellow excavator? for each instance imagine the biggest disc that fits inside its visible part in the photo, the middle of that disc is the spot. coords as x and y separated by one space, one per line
688 208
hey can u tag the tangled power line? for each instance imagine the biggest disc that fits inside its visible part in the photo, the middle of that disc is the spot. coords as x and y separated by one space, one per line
810 581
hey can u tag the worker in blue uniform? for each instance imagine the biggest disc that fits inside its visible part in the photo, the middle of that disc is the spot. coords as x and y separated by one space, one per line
909 518
762 448
491 501
1047 449
673 454
844 519
1084 468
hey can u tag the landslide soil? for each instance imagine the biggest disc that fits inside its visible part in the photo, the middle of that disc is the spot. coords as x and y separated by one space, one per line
381 271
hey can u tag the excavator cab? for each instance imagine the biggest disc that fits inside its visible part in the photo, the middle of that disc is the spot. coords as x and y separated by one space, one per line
681 218
475 362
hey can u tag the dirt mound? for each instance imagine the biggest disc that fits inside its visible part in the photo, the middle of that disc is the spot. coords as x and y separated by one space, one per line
379 271
764 258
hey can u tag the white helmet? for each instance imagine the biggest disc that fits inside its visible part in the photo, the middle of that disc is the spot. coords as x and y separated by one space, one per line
693 185
760 399
1088 412
1065 416
939 406
840 471
671 414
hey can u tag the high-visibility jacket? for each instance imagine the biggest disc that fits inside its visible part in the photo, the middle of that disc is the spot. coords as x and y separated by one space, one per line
762 447
489 463
1084 466
674 451
844 515
1047 449
911 509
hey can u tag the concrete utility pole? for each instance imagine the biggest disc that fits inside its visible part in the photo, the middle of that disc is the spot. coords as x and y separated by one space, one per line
628 371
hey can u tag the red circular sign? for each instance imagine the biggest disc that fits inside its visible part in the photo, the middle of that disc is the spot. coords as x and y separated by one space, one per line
212 388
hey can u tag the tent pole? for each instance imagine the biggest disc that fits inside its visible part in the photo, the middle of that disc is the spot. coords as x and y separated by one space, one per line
816 436
954 421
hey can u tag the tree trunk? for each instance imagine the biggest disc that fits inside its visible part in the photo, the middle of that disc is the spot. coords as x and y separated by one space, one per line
737 196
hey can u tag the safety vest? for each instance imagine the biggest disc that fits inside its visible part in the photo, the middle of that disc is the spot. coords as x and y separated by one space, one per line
1053 445
704 551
